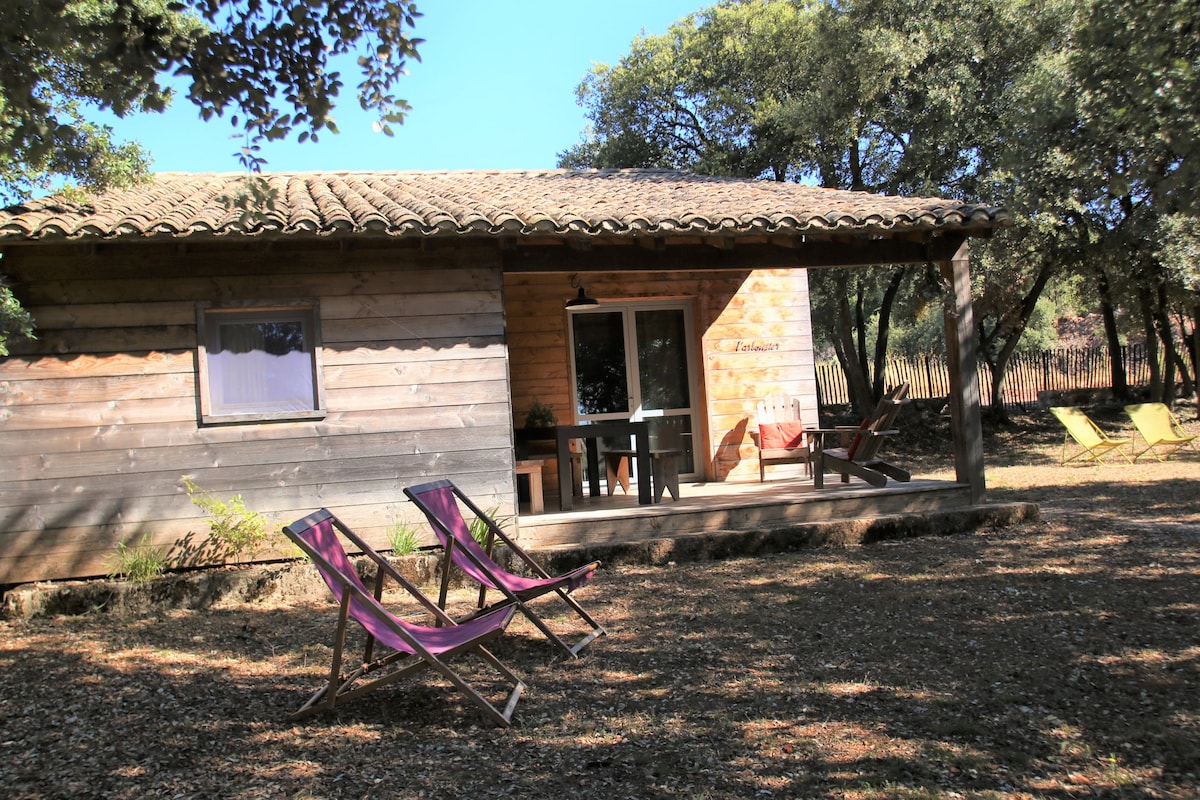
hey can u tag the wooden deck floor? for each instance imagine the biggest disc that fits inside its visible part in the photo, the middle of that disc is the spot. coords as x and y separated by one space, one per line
711 507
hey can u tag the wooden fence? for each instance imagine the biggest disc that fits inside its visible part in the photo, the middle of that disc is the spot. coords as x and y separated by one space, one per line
1049 370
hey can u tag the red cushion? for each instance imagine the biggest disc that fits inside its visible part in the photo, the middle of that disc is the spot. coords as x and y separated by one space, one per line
778 435
866 423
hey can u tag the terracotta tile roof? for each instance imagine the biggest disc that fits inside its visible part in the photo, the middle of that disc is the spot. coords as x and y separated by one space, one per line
587 203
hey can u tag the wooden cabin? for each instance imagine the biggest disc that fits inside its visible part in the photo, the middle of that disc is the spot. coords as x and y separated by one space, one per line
367 331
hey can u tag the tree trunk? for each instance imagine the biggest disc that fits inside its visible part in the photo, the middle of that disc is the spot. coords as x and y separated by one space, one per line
1162 326
1196 351
999 409
857 384
1187 368
1146 306
1019 324
860 329
1112 337
885 324
1185 377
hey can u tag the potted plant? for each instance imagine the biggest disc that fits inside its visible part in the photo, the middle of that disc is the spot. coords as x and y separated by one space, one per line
540 415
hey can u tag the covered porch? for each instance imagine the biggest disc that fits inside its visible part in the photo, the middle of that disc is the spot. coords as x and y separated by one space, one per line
425 315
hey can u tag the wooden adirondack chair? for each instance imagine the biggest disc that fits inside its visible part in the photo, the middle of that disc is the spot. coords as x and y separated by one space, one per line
780 437
860 457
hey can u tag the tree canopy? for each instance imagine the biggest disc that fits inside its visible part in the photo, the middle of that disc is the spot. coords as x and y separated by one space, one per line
267 64
1079 117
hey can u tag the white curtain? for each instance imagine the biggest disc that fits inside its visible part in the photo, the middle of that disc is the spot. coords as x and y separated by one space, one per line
260 368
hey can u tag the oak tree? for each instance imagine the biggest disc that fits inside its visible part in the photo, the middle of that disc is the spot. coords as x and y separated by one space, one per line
269 66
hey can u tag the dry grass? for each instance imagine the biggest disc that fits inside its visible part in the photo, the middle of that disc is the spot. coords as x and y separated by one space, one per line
1058 660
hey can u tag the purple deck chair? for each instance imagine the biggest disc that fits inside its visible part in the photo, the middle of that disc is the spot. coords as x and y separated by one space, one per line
440 503
416 647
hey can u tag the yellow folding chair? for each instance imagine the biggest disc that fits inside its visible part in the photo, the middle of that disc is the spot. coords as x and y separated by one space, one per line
1087 434
1160 429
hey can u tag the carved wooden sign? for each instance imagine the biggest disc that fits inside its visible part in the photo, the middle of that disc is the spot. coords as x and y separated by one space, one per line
756 347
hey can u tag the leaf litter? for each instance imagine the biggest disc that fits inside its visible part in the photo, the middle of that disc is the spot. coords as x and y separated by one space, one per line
1054 660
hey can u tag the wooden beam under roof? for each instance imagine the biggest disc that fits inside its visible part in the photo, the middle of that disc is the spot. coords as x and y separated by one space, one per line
655 243
790 253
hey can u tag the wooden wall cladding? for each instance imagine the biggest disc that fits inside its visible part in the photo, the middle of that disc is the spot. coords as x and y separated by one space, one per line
430 357
99 416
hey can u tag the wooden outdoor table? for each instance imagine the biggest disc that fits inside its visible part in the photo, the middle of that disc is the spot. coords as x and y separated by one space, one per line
590 432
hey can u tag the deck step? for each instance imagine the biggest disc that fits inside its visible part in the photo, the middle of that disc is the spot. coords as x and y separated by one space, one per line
768 508
717 544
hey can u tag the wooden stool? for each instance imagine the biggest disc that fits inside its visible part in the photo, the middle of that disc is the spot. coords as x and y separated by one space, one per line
617 469
663 463
532 469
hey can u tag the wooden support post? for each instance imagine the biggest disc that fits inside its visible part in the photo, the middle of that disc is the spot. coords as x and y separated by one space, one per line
961 348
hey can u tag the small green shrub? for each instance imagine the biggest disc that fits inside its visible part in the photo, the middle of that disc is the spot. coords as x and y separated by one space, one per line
139 564
404 538
235 529
479 528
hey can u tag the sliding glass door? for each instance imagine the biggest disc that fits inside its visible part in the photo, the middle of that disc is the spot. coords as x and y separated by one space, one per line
633 361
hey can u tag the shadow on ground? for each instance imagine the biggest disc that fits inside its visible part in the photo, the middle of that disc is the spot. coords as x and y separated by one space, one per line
1054 660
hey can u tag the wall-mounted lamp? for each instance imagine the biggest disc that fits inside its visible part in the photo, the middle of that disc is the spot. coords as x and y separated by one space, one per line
581 299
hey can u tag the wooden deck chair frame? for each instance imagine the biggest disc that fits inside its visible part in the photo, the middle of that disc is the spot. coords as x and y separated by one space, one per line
440 499
1095 444
414 647
1159 428
779 408
860 457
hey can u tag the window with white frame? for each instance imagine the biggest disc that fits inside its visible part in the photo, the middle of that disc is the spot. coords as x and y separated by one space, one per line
260 364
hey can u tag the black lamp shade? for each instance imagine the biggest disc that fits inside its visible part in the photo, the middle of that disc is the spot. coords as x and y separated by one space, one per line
582 300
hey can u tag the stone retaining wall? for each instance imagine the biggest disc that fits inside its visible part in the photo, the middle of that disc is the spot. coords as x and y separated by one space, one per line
200 589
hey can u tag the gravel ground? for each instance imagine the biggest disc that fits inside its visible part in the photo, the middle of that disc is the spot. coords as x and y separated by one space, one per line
1052 660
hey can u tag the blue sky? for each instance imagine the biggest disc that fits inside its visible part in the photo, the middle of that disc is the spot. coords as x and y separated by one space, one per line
495 89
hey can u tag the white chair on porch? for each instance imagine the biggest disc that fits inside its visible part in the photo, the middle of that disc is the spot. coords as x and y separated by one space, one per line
780 437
